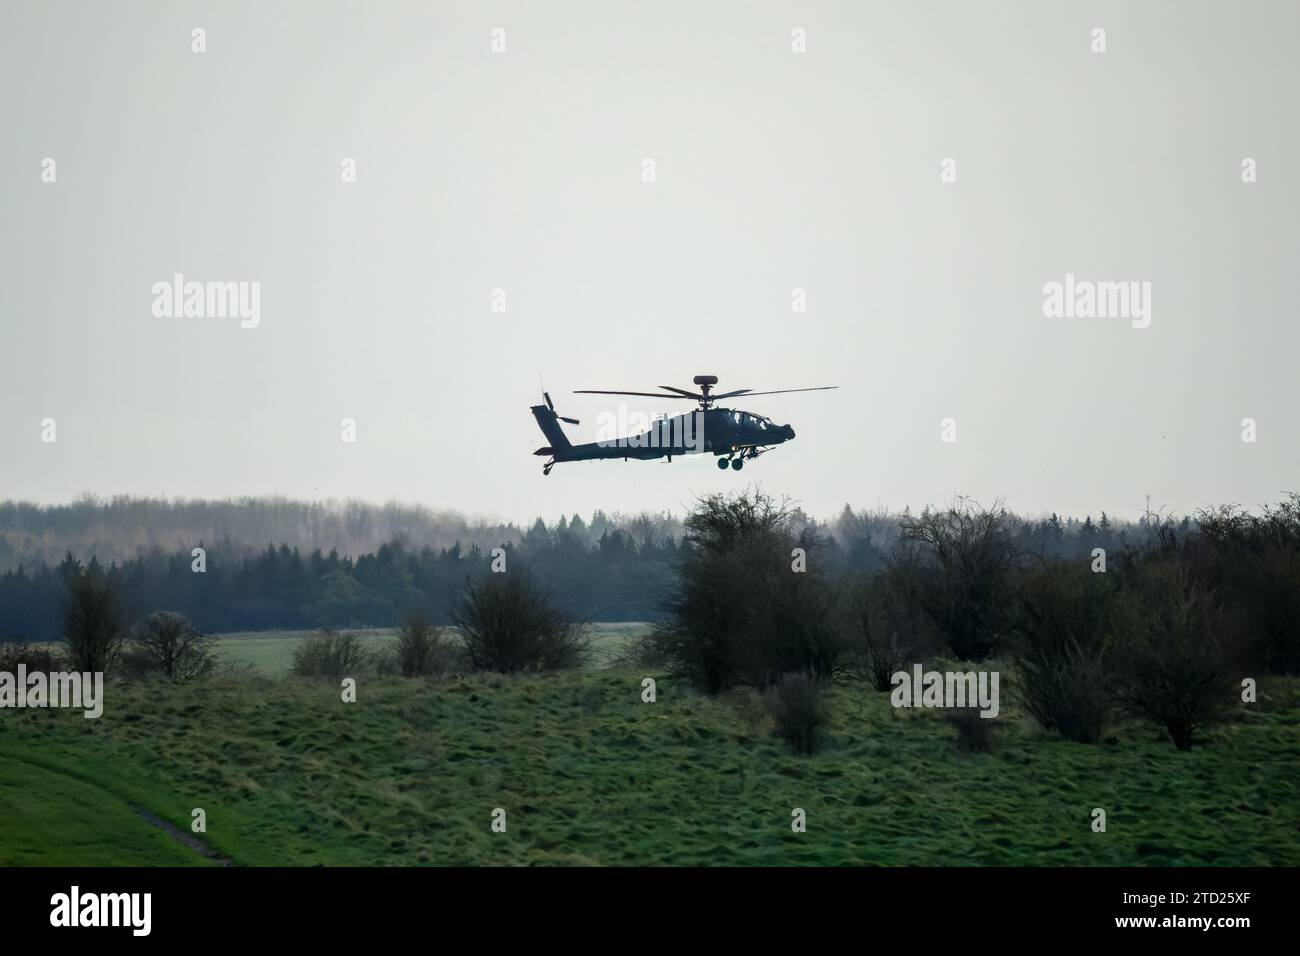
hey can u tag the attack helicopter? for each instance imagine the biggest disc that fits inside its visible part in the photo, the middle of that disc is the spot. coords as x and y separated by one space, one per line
733 435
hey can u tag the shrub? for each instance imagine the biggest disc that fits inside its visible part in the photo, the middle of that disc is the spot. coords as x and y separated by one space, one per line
135 664
1269 585
889 627
1256 560
234 670
511 624
741 614
798 712
44 658
420 650
972 557
1061 638
750 707
166 643
330 654
93 624
974 733
1176 654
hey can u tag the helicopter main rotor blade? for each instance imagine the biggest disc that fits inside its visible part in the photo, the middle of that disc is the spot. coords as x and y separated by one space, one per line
601 391
780 391
683 392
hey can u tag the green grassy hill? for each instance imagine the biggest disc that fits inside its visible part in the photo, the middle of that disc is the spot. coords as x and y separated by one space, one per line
410 774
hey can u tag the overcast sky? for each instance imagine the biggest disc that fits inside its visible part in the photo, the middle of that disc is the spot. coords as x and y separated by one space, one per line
774 170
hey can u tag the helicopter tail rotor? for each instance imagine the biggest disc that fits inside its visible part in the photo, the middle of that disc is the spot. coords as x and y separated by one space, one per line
551 405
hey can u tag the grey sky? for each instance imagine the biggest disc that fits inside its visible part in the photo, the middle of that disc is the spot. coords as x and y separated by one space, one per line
776 170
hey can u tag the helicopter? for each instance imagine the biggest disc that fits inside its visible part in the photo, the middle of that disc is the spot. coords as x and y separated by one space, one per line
734 436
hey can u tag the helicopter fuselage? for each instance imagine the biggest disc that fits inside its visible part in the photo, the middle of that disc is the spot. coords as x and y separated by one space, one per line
715 431
733 435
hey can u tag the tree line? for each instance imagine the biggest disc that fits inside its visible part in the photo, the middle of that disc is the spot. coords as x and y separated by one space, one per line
1175 624
605 569
1178 623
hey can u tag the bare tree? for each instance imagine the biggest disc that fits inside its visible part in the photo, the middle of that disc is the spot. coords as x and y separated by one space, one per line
798 711
173 647
645 532
1255 559
974 555
1178 653
1065 617
421 650
93 623
890 628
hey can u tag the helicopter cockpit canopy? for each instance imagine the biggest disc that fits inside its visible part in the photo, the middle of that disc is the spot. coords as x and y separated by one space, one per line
751 420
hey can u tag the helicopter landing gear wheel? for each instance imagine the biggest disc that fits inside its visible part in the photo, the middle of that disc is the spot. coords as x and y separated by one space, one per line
722 463
737 463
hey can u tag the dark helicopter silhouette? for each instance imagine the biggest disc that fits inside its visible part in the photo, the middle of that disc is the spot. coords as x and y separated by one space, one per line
729 433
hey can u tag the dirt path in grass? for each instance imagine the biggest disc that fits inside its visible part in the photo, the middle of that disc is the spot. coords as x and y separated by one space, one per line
180 836
173 831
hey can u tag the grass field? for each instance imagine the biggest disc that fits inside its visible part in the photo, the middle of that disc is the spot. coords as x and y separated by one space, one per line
271 652
588 774
50 816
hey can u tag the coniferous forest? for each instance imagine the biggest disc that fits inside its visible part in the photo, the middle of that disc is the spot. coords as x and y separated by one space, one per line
357 565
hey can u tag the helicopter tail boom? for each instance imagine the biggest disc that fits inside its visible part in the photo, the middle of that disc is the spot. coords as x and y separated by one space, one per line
548 422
